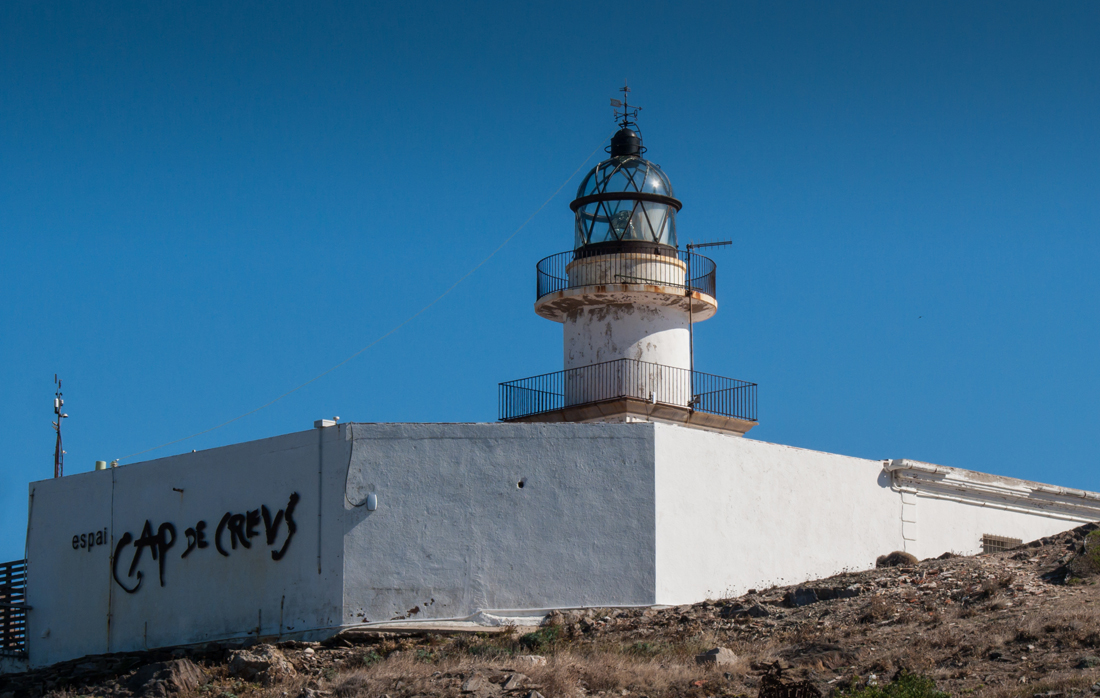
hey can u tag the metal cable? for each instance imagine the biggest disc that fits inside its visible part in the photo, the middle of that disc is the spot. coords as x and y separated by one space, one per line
387 334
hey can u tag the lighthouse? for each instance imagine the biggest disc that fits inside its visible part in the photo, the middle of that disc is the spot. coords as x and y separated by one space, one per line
628 299
617 477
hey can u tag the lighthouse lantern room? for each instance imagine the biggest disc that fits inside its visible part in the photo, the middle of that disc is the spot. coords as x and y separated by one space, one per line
628 299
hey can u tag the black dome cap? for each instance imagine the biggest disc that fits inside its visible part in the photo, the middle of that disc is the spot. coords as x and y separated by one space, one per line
626 142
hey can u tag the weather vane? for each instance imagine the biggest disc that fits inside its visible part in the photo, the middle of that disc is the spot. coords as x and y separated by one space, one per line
629 113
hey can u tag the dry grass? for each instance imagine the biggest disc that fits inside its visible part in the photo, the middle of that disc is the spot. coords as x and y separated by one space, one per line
1062 681
657 667
1071 626
564 674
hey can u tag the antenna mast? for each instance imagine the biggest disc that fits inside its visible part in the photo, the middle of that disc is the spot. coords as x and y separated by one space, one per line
691 320
58 452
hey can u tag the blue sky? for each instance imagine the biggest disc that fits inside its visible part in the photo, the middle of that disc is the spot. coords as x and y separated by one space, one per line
203 205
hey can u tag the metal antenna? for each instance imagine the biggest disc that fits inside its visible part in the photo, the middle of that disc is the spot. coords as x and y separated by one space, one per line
695 246
629 114
691 320
58 453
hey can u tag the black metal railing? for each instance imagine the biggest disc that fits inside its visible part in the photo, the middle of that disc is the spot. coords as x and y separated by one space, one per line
13 608
627 378
694 271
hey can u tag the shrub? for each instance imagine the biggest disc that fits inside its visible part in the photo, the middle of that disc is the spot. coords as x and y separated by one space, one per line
1092 548
425 654
369 658
489 651
904 685
541 640
643 649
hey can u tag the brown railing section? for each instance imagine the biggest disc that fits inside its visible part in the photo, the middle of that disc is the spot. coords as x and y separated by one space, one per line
628 378
13 608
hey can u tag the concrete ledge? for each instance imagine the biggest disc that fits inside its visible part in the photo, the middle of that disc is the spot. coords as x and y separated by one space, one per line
983 489
556 306
634 410
13 665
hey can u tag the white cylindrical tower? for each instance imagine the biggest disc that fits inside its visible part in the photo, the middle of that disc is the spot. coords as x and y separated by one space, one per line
626 296
628 299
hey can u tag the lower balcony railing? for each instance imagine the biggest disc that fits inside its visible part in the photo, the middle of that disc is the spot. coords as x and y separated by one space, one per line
13 609
627 378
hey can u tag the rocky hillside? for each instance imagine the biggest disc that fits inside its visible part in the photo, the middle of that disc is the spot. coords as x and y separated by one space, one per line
1020 623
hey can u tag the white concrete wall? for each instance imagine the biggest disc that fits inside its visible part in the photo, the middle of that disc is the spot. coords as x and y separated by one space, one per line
626 268
950 509
68 589
952 526
653 333
735 514
608 514
454 533
80 608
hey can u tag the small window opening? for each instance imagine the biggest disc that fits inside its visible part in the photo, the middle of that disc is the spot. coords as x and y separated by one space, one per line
998 544
521 483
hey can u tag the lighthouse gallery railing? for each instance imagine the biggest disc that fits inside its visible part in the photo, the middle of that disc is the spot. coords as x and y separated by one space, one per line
622 268
628 378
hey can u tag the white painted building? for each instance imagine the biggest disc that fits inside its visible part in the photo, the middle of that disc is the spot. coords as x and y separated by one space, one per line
622 480
472 518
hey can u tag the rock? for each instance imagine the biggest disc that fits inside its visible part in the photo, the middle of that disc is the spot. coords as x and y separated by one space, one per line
309 650
479 685
895 559
757 611
731 611
513 681
165 678
719 656
531 659
738 611
829 593
474 682
802 596
262 664
534 694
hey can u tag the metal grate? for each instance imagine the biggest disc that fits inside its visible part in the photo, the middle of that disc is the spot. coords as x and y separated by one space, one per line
13 608
628 378
998 544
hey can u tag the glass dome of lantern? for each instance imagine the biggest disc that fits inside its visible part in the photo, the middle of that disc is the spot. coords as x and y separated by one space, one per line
625 198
